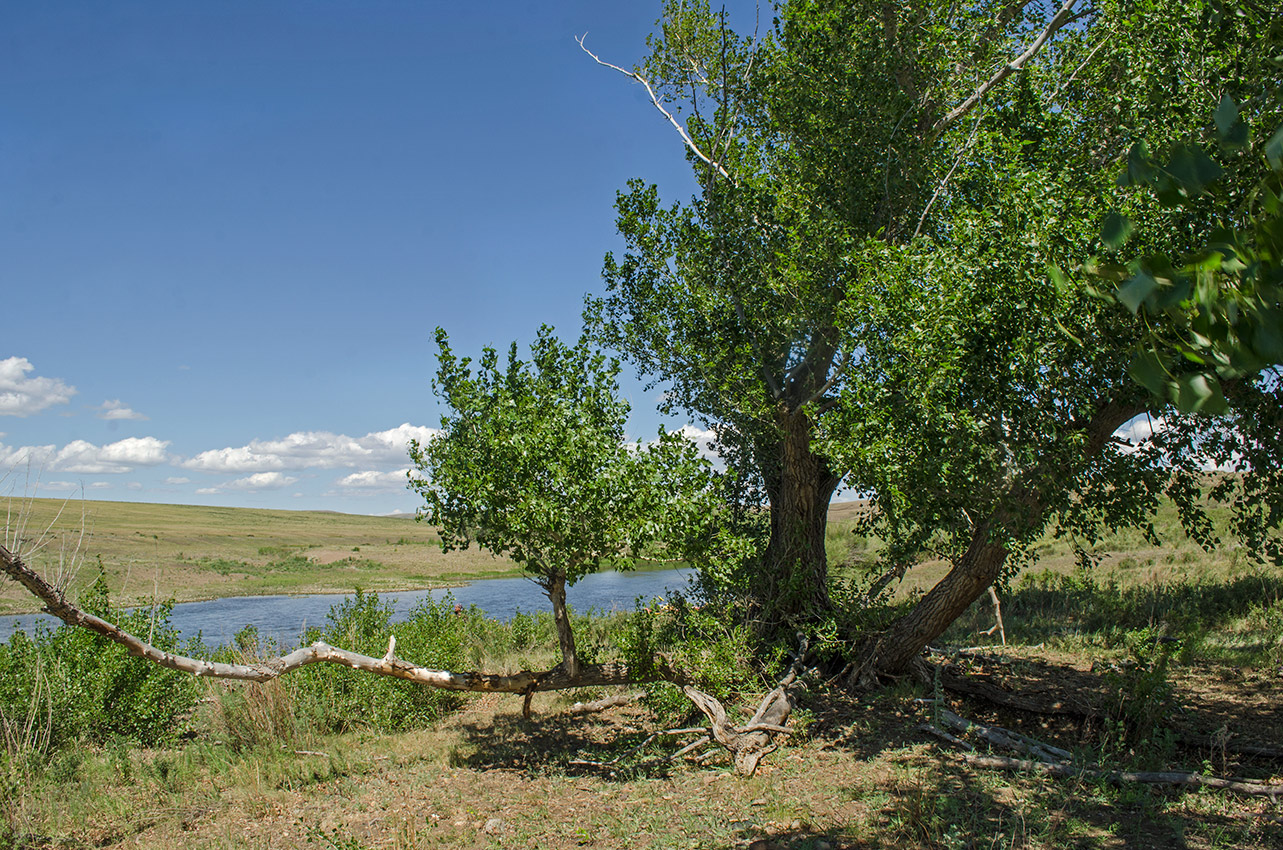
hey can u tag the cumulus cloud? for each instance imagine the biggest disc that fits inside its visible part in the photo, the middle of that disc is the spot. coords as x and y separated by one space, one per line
255 483
111 459
375 481
115 409
21 395
15 456
178 479
313 450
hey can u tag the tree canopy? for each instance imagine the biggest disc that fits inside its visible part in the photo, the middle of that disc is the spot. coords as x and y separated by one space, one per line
860 290
532 462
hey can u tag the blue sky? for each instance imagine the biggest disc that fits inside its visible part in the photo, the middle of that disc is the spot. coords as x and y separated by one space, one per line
228 229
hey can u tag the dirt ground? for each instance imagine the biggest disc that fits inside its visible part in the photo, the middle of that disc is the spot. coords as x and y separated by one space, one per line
862 776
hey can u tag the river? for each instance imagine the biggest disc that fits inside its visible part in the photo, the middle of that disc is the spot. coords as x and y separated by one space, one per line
285 617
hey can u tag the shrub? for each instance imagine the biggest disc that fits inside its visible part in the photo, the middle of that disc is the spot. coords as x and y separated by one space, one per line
329 698
96 690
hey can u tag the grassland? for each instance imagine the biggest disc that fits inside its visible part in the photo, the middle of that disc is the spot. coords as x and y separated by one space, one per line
860 773
185 552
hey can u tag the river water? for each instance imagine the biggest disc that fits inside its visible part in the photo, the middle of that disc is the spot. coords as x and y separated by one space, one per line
285 617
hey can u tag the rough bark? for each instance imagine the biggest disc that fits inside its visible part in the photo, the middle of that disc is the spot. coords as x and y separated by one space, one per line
793 584
975 571
1021 511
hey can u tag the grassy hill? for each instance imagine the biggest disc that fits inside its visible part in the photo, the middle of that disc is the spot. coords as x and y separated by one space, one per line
190 552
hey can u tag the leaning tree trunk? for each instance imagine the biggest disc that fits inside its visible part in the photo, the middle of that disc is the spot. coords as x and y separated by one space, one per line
980 565
977 569
792 585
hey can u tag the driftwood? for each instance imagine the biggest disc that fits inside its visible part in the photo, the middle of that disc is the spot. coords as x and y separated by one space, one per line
749 743
1054 761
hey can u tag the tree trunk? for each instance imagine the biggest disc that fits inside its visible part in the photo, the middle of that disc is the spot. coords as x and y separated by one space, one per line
556 587
792 585
976 570
979 566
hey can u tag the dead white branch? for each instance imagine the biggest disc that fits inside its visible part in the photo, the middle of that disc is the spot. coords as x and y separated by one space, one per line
1063 16
524 682
658 103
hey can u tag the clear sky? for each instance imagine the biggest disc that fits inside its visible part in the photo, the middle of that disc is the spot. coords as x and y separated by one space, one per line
228 229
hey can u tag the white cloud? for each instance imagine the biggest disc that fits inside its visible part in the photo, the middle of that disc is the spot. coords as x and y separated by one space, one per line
100 485
261 481
113 458
178 479
313 450
375 481
115 409
1141 429
12 457
23 396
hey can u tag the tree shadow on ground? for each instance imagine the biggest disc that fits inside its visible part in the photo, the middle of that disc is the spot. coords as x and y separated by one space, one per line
563 743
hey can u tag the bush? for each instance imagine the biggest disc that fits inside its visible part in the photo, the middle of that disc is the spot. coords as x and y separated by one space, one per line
329 698
94 689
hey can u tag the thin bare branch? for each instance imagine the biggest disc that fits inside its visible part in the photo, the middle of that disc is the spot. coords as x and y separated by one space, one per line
971 140
658 103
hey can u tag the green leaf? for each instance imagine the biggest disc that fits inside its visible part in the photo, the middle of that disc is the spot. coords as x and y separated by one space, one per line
1226 116
1115 231
1140 170
1200 393
1134 292
1274 149
1192 170
1146 370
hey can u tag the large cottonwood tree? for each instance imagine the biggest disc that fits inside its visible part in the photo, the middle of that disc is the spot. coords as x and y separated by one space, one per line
860 289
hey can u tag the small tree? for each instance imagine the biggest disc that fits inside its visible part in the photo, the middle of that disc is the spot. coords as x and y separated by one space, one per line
532 463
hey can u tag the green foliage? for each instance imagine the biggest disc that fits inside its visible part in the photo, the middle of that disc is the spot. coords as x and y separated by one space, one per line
1217 315
87 688
1142 698
719 653
329 698
532 463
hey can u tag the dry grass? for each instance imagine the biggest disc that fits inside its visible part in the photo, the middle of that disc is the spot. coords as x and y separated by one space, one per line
188 552
487 778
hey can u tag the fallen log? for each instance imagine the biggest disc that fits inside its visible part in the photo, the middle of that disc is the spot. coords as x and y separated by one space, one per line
1273 790
523 682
